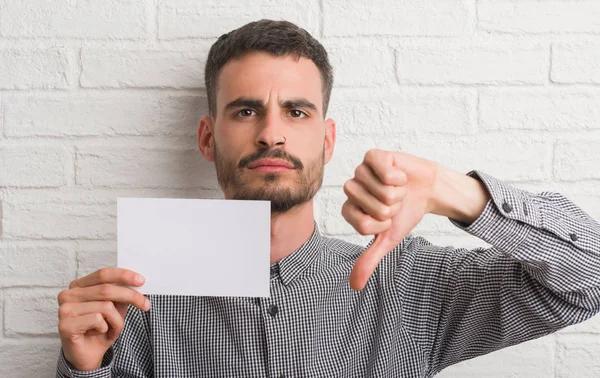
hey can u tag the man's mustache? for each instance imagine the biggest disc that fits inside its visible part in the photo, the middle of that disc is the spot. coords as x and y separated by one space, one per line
276 153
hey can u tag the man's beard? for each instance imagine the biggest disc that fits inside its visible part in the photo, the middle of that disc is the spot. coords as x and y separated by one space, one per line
308 180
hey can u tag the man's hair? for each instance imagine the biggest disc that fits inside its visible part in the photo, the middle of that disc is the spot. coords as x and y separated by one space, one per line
279 38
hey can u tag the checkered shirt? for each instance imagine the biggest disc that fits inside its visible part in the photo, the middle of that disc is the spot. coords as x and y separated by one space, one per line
426 307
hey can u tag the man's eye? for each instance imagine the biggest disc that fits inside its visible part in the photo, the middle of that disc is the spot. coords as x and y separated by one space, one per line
246 113
295 113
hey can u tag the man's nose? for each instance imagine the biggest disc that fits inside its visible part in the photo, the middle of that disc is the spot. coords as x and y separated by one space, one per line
271 133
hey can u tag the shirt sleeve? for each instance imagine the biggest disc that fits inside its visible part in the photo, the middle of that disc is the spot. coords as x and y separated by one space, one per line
129 357
65 369
541 274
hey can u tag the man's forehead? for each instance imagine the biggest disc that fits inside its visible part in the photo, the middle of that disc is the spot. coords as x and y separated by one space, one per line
257 74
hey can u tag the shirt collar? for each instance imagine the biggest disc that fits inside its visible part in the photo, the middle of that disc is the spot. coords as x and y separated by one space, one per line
291 266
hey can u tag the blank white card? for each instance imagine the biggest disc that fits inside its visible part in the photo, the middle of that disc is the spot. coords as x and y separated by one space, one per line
196 246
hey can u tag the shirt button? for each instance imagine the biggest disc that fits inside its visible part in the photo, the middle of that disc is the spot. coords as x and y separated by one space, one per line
506 207
273 310
573 237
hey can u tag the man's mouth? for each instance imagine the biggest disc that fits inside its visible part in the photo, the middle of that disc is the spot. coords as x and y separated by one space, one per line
271 165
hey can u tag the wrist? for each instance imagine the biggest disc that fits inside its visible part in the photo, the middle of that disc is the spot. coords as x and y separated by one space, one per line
82 366
458 196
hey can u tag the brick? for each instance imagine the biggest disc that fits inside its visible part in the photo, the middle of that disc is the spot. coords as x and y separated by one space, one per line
142 68
350 152
31 312
361 65
39 266
578 356
531 359
90 259
577 160
517 16
510 158
103 114
576 63
206 19
472 64
29 166
396 18
1 116
59 217
76 213
394 113
144 167
539 110
124 19
28 358
32 69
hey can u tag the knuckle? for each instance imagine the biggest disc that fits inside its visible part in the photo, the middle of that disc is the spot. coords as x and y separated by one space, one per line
388 178
345 211
105 290
389 197
64 311
62 297
98 318
363 228
63 328
103 274
384 212
371 153
107 306
348 187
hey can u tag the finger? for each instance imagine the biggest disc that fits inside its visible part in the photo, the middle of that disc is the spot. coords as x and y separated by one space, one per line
366 201
108 310
364 224
382 164
109 275
366 264
388 194
82 324
368 261
122 308
106 292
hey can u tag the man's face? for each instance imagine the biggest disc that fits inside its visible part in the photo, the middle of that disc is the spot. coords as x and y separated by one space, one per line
269 139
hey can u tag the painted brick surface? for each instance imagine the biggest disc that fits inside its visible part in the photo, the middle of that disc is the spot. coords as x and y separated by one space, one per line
102 99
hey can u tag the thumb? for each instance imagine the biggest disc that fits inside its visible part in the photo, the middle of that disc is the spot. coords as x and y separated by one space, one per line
368 261
366 264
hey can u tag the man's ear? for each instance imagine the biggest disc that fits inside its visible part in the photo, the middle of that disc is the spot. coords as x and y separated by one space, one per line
329 139
205 138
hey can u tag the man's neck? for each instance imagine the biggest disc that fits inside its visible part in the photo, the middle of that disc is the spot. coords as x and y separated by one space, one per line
290 230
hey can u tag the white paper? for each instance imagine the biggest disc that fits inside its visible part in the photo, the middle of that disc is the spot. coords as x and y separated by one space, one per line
196 246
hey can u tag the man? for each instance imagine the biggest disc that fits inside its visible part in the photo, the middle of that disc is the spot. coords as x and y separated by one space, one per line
402 308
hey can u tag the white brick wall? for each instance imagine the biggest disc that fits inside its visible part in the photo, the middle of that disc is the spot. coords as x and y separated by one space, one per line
101 99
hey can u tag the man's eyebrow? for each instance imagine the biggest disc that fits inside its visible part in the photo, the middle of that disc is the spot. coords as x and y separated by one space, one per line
298 103
244 102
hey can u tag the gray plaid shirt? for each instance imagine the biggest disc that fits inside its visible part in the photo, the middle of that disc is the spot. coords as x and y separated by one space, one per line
425 308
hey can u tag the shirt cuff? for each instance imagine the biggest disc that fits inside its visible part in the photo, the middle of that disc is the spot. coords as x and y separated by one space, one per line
66 370
508 217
